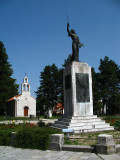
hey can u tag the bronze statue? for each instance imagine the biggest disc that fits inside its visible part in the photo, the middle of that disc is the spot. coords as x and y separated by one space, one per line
75 44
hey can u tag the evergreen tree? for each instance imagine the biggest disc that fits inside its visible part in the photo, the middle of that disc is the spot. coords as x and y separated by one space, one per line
8 87
109 83
67 61
48 93
97 105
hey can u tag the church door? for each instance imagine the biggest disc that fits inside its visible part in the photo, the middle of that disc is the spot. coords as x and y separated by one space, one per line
26 111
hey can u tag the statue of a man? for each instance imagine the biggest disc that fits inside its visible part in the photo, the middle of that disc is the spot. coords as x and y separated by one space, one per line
75 44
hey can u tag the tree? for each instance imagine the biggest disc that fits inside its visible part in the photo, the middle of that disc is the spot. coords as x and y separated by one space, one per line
8 86
48 94
109 82
97 105
67 61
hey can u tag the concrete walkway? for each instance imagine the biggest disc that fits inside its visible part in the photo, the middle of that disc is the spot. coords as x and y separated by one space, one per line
10 153
46 121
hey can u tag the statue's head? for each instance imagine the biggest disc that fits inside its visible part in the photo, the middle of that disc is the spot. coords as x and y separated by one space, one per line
73 31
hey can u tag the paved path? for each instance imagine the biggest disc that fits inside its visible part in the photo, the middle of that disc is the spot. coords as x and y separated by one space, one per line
10 153
46 121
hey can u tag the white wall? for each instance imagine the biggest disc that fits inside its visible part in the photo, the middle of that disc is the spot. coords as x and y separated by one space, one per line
26 100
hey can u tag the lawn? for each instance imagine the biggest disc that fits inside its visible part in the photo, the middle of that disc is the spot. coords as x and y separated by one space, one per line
3 118
91 138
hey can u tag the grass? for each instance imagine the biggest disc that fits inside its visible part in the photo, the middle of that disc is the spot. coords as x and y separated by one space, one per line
91 138
3 118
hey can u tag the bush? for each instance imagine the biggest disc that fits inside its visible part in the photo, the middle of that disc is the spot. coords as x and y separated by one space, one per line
41 124
28 135
31 138
5 133
34 138
117 124
5 138
111 119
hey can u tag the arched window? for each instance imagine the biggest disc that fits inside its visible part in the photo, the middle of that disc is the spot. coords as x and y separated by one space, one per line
24 87
27 87
25 80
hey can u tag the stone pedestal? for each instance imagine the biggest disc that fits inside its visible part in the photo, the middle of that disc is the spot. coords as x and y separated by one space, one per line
56 142
78 101
106 144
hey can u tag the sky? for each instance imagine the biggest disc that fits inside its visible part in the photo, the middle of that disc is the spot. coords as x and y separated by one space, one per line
34 33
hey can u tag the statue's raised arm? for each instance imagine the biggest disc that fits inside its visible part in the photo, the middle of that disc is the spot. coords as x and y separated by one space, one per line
68 29
75 44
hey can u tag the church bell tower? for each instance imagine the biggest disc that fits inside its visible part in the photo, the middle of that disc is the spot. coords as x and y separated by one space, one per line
25 86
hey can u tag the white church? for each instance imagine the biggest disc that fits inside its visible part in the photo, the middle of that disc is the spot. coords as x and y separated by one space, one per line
23 105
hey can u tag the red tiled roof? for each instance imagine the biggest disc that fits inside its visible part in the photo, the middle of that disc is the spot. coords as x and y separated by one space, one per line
13 98
59 106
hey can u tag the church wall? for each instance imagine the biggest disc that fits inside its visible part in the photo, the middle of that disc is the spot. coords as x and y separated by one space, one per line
25 100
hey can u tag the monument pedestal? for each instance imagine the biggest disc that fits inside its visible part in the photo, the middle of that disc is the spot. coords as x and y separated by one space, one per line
78 101
78 90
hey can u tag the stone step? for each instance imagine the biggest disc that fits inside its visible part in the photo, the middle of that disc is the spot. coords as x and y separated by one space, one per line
93 130
59 126
78 148
78 120
79 123
79 130
89 127
80 117
83 127
82 124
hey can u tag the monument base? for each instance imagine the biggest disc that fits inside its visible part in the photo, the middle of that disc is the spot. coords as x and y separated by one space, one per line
78 101
81 124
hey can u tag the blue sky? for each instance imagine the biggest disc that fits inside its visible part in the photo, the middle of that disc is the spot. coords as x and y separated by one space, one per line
34 33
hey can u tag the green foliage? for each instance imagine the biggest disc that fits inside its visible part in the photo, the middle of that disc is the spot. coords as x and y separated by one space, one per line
5 137
112 120
2 118
41 124
106 86
5 133
49 92
109 83
111 117
28 135
117 124
8 86
33 138
97 105
67 141
67 61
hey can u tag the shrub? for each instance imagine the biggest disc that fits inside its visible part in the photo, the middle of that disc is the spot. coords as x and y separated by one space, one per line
34 138
28 135
5 138
117 124
5 133
41 124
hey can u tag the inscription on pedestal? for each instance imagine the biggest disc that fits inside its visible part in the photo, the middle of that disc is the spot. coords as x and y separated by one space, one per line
67 82
82 87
